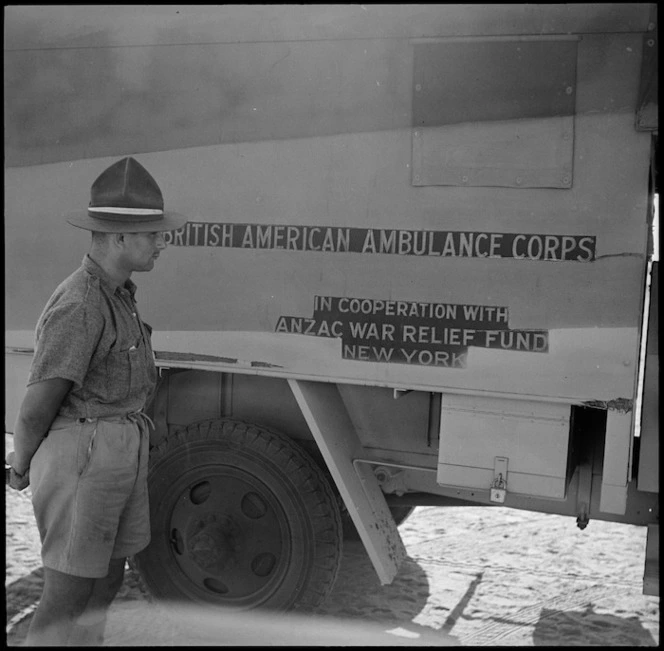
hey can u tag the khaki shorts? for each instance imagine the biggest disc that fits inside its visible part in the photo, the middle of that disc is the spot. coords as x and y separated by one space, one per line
89 493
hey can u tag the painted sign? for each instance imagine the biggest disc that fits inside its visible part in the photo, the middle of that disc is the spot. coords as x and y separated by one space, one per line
336 239
408 332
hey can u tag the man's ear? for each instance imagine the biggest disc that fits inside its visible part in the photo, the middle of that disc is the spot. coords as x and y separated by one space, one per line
118 239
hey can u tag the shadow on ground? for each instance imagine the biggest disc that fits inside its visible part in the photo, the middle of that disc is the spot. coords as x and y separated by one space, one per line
590 628
23 593
21 599
358 596
359 611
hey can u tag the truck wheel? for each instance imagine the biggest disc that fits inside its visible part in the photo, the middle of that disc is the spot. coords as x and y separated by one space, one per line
240 517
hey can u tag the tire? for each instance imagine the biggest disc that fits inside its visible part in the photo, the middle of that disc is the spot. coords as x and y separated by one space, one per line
241 517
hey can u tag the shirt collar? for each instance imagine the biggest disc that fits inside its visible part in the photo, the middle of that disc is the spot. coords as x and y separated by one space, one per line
93 268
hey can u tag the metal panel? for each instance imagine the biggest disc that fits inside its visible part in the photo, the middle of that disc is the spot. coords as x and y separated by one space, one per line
383 422
647 106
617 450
648 475
85 81
333 431
494 113
203 298
194 396
516 154
533 436
227 302
488 80
87 102
268 401
132 25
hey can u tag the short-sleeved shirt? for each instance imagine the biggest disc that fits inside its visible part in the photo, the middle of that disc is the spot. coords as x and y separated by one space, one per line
90 332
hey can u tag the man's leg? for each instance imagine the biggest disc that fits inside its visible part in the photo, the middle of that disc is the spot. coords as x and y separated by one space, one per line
63 600
89 628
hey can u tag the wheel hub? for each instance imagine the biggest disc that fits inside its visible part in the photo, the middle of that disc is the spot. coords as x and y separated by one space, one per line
212 542
226 536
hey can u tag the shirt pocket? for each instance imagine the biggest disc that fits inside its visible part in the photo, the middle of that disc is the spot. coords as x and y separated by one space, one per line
125 372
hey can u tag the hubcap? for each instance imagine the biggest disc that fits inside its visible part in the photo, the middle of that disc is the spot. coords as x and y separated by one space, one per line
228 537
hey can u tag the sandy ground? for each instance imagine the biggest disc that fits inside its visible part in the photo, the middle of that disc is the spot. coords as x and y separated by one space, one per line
473 577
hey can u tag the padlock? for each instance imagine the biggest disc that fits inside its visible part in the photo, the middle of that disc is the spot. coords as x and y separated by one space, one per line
498 490
498 495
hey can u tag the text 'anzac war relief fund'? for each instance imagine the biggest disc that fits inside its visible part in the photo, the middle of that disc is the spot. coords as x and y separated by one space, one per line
334 239
406 332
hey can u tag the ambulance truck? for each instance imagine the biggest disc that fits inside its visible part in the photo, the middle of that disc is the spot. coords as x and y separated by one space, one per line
415 271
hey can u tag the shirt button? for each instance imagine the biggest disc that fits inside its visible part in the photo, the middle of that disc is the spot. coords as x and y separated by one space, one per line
133 313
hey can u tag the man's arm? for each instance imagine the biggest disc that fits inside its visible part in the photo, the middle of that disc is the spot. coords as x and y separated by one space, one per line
38 410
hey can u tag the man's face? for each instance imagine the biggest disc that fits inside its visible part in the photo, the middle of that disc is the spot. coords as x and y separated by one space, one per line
142 249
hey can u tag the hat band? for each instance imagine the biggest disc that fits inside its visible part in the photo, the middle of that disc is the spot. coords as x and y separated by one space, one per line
119 214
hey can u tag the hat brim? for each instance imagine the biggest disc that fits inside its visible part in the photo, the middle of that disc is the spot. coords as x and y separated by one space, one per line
171 221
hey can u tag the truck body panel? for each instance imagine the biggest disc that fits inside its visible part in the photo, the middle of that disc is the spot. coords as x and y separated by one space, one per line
315 187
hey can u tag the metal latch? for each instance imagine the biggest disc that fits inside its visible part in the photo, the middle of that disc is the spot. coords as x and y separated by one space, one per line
391 480
498 489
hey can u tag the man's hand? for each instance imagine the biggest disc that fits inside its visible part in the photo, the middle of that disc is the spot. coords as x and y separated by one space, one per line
38 409
16 481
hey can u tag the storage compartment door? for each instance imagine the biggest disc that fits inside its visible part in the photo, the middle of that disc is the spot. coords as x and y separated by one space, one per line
532 436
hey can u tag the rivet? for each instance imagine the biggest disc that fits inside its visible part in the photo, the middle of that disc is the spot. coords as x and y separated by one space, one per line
417 177
464 179
565 180
418 86
569 90
651 26
651 42
518 180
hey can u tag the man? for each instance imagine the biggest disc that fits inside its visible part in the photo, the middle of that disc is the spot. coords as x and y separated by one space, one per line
80 431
